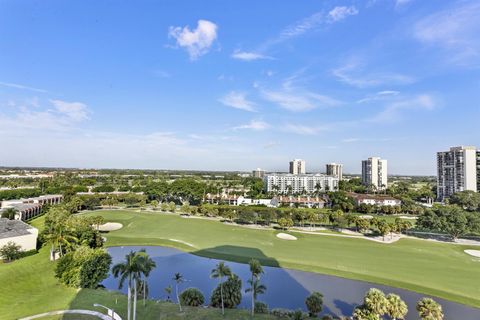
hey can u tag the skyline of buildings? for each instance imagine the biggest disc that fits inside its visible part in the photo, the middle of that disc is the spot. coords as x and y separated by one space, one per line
457 170
334 169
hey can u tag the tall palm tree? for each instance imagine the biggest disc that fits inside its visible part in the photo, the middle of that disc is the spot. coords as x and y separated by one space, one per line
221 271
429 309
256 270
126 270
256 288
178 278
144 265
396 308
147 265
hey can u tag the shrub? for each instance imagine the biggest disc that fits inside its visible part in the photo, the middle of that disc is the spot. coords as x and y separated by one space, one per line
261 307
11 251
314 303
83 268
192 297
298 315
281 313
232 293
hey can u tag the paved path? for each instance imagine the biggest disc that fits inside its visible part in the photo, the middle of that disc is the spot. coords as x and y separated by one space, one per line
53 313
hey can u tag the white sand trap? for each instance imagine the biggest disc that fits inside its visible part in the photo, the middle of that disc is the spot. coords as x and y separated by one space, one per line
366 216
475 253
110 226
285 236
408 217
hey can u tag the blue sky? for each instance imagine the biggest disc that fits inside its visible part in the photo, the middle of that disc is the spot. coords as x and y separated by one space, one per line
235 85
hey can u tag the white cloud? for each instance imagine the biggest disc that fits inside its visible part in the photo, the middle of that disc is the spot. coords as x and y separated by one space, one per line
298 100
257 125
249 56
19 86
197 42
381 95
341 12
302 26
75 111
352 74
303 129
456 30
393 111
238 100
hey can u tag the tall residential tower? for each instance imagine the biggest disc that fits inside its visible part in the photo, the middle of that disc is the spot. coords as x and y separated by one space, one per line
335 169
297 166
374 172
457 170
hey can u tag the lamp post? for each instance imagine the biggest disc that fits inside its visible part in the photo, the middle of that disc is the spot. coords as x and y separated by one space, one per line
110 312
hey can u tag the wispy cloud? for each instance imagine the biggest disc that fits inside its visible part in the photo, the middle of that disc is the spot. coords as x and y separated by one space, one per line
341 12
455 30
22 87
352 73
238 100
249 56
299 101
394 110
197 42
75 111
381 95
257 125
303 129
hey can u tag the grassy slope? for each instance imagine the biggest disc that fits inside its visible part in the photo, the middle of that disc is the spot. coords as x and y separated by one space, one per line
418 265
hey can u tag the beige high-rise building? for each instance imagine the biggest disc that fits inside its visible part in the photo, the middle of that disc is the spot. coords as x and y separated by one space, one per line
457 170
335 170
297 166
258 173
374 172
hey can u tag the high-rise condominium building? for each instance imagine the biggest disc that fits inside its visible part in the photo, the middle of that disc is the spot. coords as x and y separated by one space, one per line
297 166
258 173
374 172
335 169
457 170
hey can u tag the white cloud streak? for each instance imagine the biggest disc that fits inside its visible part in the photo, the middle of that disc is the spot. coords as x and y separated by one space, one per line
256 125
341 12
22 87
238 100
249 56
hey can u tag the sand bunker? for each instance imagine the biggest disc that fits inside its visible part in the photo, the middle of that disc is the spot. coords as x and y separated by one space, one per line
110 226
475 253
285 236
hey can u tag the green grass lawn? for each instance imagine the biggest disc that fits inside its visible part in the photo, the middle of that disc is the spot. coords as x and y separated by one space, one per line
28 286
439 269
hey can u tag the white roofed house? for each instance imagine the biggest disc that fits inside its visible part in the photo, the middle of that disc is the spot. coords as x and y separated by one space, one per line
18 232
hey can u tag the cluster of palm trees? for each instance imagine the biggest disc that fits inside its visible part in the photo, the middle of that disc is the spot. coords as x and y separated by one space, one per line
134 270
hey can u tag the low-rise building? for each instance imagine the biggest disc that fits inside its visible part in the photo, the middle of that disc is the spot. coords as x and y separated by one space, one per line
258 173
378 200
18 232
30 207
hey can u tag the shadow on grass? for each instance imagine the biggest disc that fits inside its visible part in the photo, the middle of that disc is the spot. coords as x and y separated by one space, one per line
283 289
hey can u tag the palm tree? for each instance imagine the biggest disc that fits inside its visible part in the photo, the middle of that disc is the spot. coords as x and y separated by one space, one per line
256 288
178 278
221 270
396 308
144 264
147 265
126 271
429 309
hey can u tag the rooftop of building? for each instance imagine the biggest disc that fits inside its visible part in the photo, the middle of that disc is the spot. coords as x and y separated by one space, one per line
13 228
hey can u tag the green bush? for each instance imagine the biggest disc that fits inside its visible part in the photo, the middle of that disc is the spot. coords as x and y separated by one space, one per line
83 268
314 304
11 251
261 307
232 293
281 313
192 297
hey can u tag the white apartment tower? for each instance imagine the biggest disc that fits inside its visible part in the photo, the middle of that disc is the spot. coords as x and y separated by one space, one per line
335 170
457 170
374 172
297 166
258 173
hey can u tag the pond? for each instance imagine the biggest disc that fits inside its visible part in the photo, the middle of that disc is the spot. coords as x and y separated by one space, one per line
286 288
